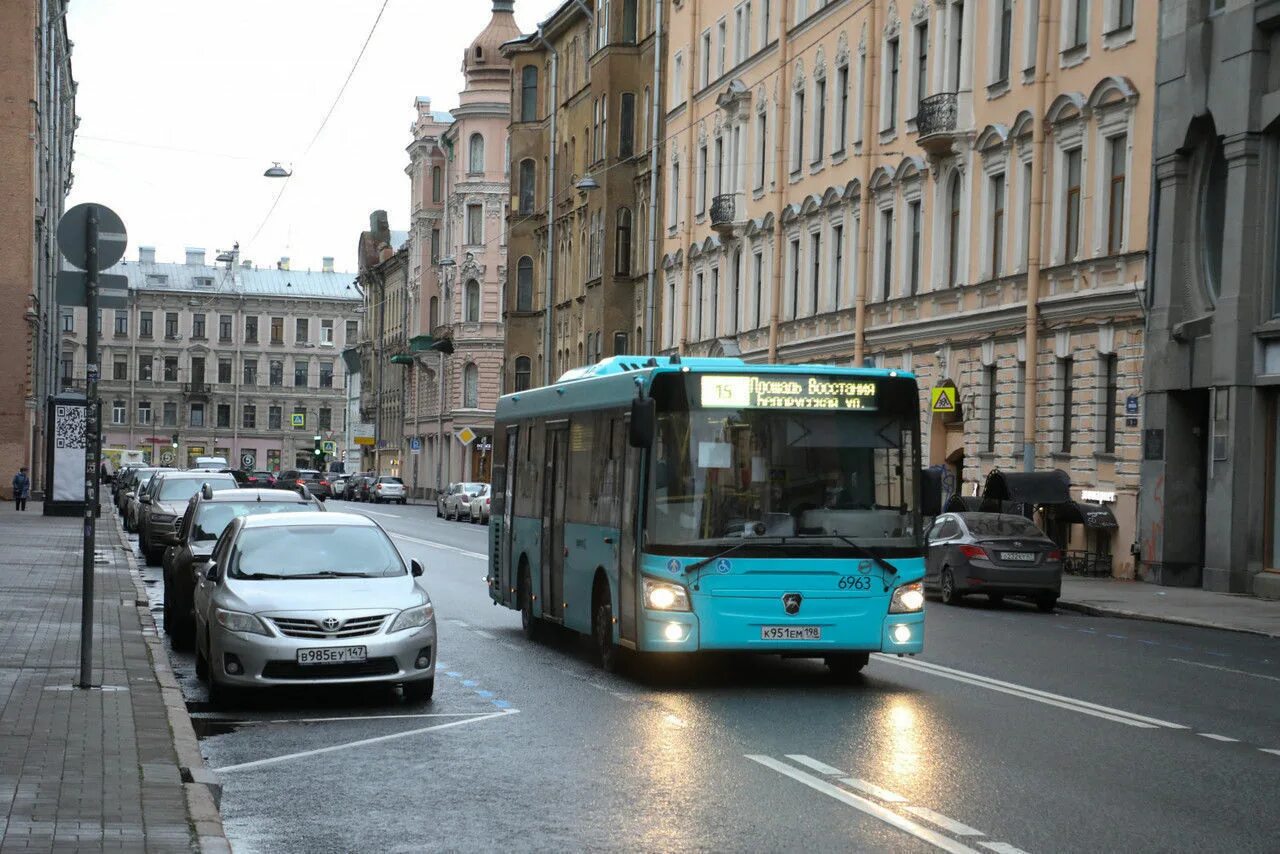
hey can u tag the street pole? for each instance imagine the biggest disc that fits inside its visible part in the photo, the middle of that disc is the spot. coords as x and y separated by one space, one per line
90 450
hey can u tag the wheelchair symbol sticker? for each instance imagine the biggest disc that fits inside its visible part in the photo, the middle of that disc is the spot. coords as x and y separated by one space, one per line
723 566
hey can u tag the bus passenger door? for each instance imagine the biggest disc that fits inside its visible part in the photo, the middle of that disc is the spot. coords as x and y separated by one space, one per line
553 489
506 571
629 484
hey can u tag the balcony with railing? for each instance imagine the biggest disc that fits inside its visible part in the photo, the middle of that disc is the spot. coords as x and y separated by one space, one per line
196 390
724 212
937 122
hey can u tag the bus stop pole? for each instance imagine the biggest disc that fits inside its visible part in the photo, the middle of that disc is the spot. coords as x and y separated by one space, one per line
90 449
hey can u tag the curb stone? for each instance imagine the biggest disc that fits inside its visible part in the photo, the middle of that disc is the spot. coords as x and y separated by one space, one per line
201 785
1099 611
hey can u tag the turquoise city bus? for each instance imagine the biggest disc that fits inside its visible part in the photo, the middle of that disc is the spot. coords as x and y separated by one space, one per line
673 505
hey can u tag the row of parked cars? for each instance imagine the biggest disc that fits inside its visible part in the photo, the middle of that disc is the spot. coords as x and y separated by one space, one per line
468 501
371 487
269 589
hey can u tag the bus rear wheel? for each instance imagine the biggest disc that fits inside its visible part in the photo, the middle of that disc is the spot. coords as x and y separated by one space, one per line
602 630
530 624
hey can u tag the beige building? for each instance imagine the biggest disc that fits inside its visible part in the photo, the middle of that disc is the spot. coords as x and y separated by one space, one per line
955 188
384 260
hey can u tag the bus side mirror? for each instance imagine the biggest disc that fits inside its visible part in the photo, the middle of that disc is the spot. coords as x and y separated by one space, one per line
643 418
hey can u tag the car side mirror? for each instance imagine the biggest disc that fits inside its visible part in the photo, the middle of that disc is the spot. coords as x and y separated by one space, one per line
211 573
416 568
146 499
643 418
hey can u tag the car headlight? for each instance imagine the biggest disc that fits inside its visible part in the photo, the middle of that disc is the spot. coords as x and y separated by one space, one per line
163 518
413 618
907 598
661 596
235 621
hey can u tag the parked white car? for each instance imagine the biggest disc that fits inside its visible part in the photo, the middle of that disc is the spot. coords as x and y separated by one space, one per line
457 500
479 512
387 489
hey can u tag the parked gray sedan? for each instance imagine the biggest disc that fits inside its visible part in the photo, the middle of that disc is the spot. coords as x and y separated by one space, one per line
312 598
993 553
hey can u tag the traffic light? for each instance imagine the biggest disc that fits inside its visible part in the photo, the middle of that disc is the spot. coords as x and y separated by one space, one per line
174 439
319 454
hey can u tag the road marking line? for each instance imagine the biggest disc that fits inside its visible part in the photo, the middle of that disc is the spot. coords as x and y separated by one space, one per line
871 808
1083 706
336 719
874 790
258 763
376 513
445 546
820 767
1216 737
1270 750
482 633
1227 669
675 721
945 822
1002 847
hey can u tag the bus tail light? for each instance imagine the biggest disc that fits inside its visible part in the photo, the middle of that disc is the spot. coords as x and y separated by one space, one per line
974 552
907 598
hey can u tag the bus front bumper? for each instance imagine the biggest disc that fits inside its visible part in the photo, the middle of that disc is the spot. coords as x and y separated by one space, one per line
684 631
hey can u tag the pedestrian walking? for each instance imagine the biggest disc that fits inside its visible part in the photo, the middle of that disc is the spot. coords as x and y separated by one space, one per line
21 488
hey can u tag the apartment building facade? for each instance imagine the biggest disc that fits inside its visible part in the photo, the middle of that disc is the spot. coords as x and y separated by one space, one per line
1211 464
37 134
230 359
958 189
580 168
383 259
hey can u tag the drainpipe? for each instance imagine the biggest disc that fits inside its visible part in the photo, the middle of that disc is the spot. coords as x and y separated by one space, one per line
690 178
655 160
1036 243
869 124
548 274
781 132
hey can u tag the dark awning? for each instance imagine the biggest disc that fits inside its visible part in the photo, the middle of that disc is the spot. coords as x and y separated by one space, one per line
1035 487
1089 515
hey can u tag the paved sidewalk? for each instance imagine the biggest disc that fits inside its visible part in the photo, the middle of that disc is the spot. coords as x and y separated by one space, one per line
97 770
1188 606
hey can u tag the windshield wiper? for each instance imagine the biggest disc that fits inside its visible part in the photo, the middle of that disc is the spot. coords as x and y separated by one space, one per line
266 575
329 573
859 548
747 541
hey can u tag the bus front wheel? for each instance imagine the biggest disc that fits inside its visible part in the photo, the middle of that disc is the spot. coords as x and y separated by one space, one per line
602 630
846 666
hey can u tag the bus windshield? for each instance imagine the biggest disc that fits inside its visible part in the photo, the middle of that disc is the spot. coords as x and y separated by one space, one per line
721 474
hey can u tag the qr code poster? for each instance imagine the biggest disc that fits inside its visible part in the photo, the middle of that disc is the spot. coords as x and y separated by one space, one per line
70 431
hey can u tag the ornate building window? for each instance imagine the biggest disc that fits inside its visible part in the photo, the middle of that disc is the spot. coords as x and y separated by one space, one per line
471 387
473 301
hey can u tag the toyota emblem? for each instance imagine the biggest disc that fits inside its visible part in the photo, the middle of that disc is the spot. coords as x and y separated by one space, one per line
330 624
791 603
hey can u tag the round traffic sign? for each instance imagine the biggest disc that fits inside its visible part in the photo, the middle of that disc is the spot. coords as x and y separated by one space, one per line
73 236
247 461
166 458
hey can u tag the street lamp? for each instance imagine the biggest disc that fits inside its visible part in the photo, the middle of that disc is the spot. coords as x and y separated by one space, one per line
587 183
275 170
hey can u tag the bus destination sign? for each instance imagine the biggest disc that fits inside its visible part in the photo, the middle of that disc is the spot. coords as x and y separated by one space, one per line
788 392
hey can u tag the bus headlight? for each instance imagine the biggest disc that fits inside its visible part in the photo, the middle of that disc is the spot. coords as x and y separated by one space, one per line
907 598
661 596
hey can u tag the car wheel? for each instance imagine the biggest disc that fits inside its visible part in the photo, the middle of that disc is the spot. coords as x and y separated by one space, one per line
403 502
1046 603
202 664
602 631
948 591
168 608
529 624
438 510
845 667
179 623
995 598
420 691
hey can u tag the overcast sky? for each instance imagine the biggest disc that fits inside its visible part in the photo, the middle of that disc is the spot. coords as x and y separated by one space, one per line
184 103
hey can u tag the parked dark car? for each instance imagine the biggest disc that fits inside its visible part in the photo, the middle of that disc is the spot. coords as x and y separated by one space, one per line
208 513
254 479
351 491
998 554
163 504
316 482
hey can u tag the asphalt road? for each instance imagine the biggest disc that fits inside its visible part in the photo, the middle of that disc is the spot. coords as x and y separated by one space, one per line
1016 731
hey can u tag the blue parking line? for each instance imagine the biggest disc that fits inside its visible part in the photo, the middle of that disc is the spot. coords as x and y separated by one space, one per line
452 675
502 704
488 695
469 683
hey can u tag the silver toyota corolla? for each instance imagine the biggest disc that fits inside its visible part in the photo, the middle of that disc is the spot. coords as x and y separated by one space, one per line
312 598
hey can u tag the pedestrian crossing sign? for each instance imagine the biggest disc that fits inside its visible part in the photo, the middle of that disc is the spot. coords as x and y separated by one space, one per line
942 399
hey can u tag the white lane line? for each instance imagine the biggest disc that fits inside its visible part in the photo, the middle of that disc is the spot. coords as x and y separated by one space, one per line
810 762
376 513
675 721
874 790
336 719
945 822
871 808
482 633
1002 847
1083 706
364 742
1272 751
1216 737
445 546
1227 669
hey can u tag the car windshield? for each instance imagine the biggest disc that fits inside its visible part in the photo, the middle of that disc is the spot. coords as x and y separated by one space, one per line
213 517
145 478
472 488
723 473
180 489
1000 525
391 480
315 551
